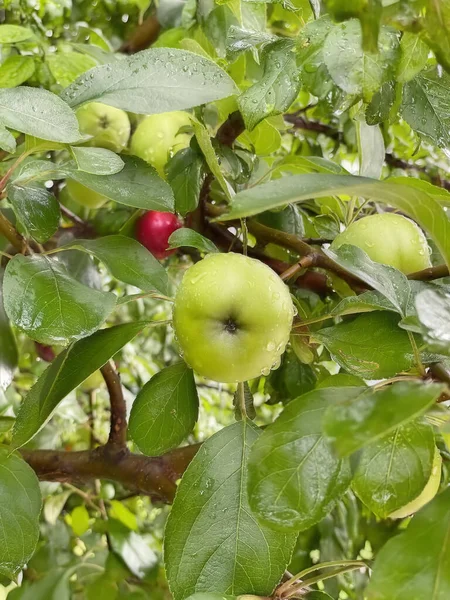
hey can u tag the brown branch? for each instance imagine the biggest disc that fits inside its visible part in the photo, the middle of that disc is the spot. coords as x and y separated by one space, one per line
8 230
430 273
118 431
143 36
231 129
155 477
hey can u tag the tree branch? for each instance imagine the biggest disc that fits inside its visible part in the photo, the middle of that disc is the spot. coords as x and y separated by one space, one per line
118 431
152 476
8 230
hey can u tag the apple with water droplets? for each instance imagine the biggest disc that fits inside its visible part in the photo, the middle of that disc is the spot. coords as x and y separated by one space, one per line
232 317
108 126
390 239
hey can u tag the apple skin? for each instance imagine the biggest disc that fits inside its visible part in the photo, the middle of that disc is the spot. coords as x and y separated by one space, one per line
153 230
232 318
94 381
108 126
84 196
390 239
156 138
427 494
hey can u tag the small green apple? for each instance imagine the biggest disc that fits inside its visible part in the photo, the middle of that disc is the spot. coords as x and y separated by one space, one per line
93 382
232 317
84 196
427 494
390 239
108 126
156 138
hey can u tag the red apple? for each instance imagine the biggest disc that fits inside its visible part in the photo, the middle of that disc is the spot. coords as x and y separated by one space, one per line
154 229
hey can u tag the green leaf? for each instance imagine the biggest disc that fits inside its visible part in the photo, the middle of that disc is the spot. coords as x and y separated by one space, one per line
120 512
102 588
357 422
20 507
416 564
372 152
354 70
39 113
38 170
65 373
368 12
165 410
53 586
437 30
79 520
365 302
128 261
137 185
66 67
274 93
210 596
426 106
7 140
390 282
98 161
6 424
380 107
12 34
371 346
8 348
153 81
433 310
16 70
415 203
314 74
132 548
188 237
413 57
294 476
240 39
36 208
185 174
212 540
51 307
395 469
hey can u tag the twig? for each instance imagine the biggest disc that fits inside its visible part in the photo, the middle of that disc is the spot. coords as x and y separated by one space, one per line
118 431
430 273
8 230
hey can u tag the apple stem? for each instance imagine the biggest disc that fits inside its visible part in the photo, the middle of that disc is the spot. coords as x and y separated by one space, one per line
241 399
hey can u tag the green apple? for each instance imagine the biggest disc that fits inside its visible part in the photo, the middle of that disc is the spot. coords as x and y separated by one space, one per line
427 494
232 317
156 138
108 126
84 196
93 382
390 239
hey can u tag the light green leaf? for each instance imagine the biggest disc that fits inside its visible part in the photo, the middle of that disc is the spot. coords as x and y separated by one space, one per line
98 161
295 478
36 208
8 348
12 34
16 70
66 67
212 540
416 564
39 113
357 422
413 57
7 140
188 237
51 307
433 310
274 93
79 520
137 185
128 261
371 149
65 373
415 203
395 469
120 512
153 81
20 506
165 410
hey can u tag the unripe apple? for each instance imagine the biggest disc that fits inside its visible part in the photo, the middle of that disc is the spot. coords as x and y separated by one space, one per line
84 196
94 381
153 230
108 126
156 138
390 239
232 317
427 494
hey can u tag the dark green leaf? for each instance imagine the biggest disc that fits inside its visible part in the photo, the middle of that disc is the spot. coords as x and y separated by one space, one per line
39 113
357 422
137 185
188 237
290 380
20 506
277 89
165 410
98 161
204 141
379 108
16 70
153 81
314 74
395 469
38 170
212 540
294 476
53 586
128 261
36 208
433 310
8 348
416 564
45 302
185 173
65 373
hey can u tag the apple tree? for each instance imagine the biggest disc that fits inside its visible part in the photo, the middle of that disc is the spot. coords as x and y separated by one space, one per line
224 300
